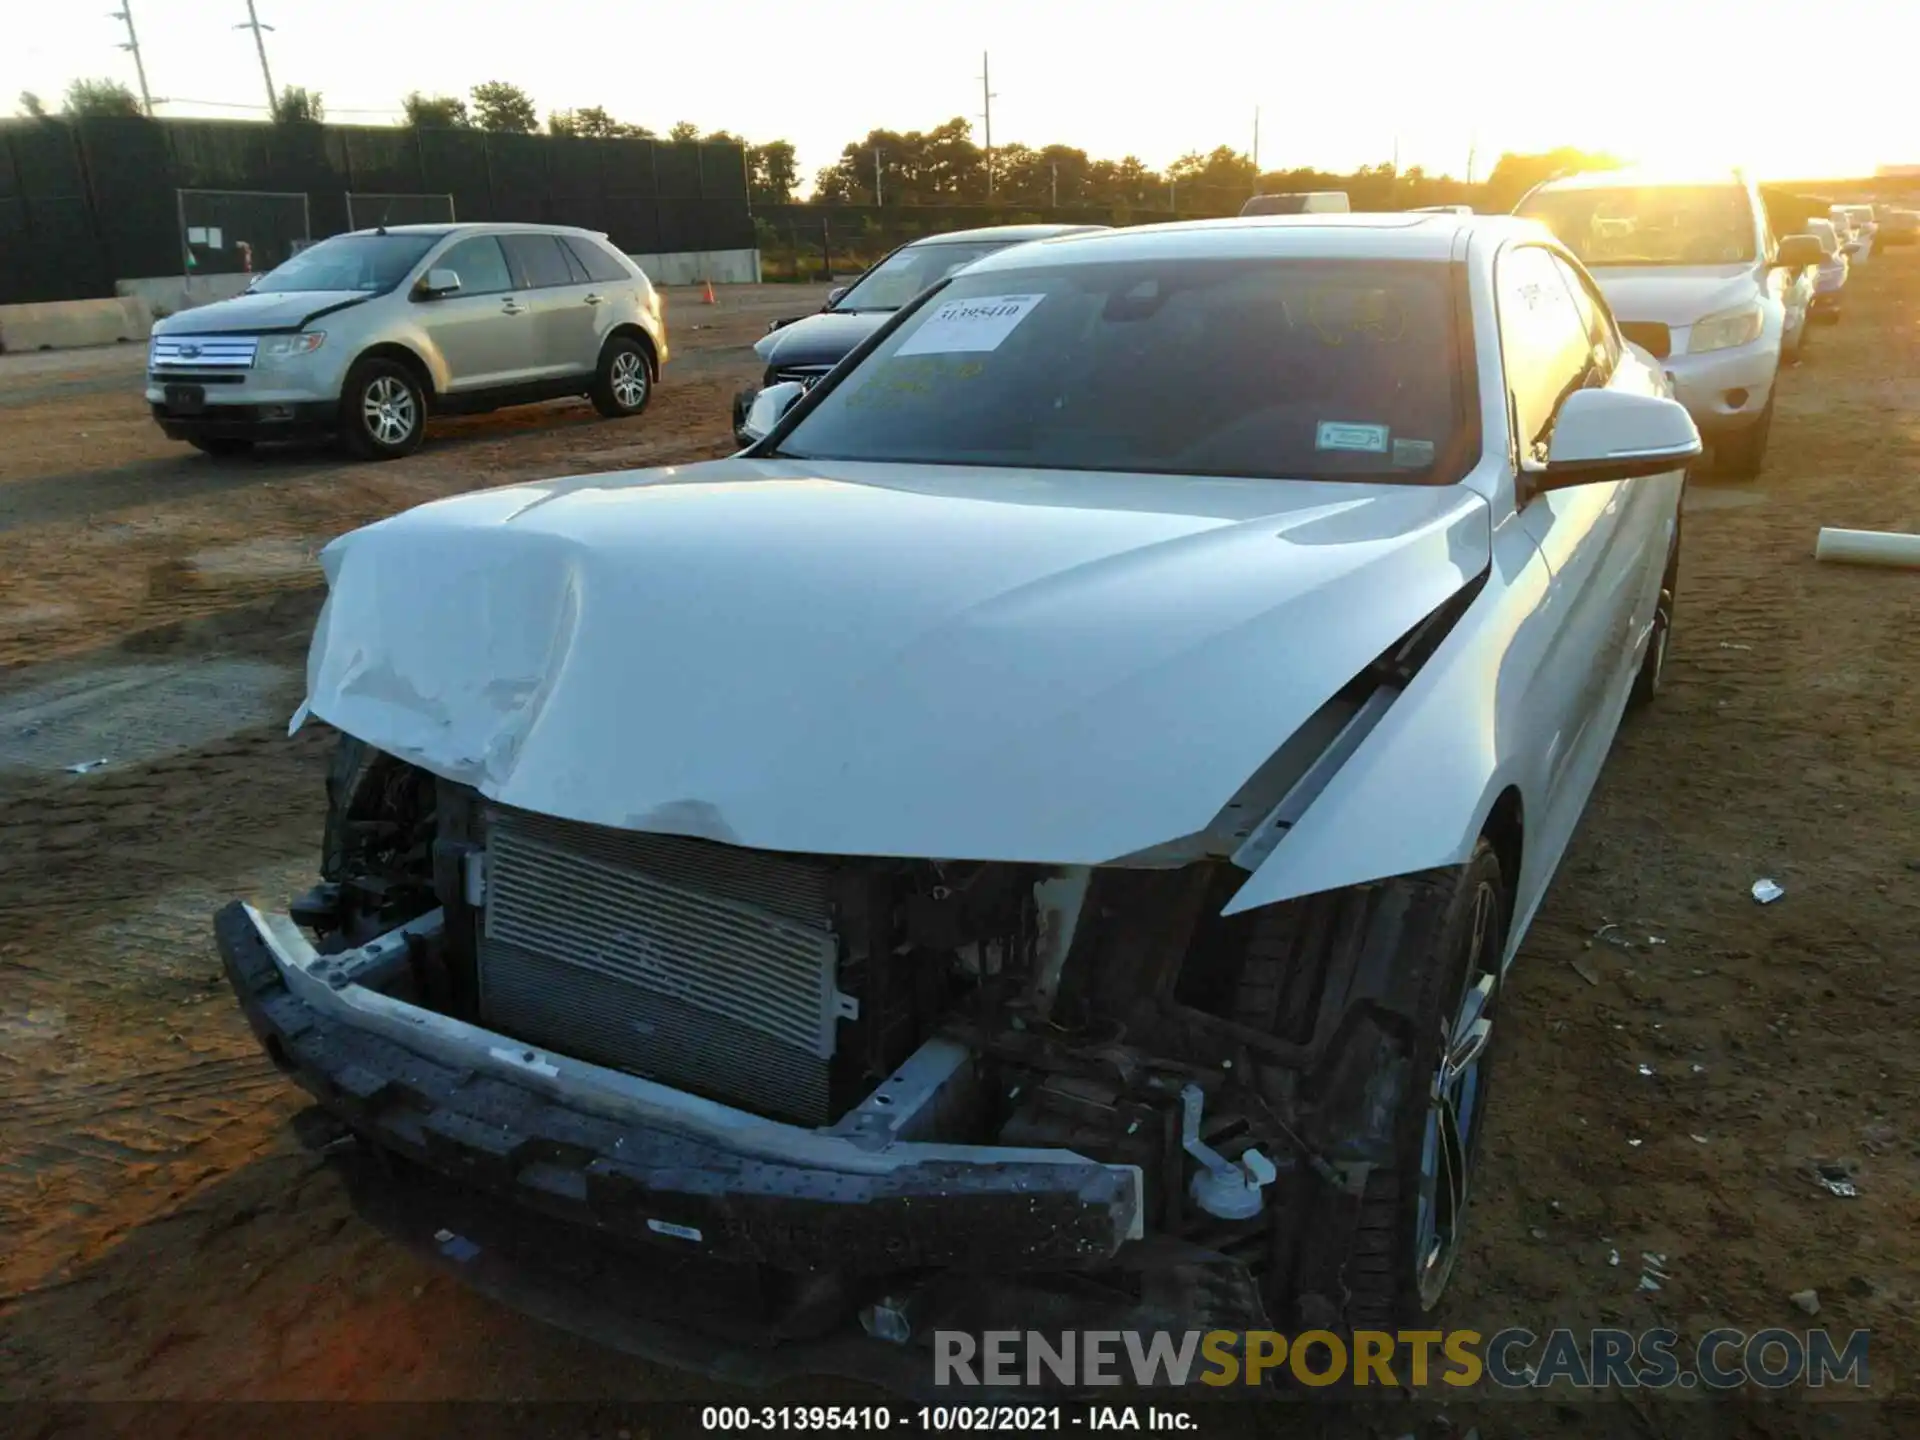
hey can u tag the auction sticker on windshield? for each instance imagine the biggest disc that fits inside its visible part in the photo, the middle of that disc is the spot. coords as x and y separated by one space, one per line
1343 435
970 325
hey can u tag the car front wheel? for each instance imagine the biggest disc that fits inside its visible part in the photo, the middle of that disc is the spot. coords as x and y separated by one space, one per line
1397 1100
624 383
383 412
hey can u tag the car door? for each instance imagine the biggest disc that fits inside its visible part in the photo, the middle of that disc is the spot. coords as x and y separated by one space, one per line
484 330
563 319
1585 533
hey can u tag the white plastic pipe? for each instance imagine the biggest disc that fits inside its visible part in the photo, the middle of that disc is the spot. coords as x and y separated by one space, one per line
1867 547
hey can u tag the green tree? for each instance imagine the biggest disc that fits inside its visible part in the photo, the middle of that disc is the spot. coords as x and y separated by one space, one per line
436 112
298 105
1219 181
504 109
32 106
772 172
101 97
684 132
593 123
941 166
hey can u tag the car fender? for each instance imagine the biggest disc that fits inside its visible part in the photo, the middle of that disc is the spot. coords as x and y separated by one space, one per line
1417 792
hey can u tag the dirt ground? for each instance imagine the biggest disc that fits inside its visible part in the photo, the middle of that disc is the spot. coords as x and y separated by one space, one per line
163 1235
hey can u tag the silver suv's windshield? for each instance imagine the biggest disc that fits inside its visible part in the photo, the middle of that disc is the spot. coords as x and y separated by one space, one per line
1305 369
1650 225
905 273
371 263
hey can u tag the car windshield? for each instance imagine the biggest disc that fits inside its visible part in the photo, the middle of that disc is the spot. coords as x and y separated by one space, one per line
905 273
1650 225
371 263
1301 369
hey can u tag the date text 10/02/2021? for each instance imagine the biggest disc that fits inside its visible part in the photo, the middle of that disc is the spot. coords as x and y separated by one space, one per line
928 1419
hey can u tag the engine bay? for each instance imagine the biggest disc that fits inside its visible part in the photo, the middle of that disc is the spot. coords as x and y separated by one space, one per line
1108 1012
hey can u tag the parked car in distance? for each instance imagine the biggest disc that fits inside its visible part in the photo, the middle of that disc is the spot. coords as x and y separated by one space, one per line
1831 278
1863 230
1696 277
822 897
806 348
1898 227
363 336
1299 202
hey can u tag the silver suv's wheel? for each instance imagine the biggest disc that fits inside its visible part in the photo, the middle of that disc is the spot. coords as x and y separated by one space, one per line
624 383
383 413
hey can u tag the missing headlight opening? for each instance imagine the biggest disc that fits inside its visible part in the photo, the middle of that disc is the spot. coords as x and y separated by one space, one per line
847 1074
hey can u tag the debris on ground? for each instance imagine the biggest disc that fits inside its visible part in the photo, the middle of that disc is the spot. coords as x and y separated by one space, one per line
1807 1300
86 767
1586 972
455 1247
1766 891
1836 1180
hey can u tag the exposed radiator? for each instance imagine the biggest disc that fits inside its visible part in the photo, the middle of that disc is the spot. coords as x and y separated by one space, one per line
703 966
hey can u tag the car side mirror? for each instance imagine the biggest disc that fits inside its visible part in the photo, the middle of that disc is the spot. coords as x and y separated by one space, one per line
1797 252
835 296
437 284
769 408
1616 435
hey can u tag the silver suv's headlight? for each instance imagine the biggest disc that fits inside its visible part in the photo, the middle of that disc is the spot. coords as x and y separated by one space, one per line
282 347
1727 328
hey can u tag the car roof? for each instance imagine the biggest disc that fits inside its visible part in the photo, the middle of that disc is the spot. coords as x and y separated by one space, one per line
1011 234
1401 235
1642 178
476 227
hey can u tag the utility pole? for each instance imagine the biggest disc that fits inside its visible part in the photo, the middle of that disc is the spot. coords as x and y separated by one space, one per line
877 200
1256 147
253 24
986 116
1473 147
1055 168
133 44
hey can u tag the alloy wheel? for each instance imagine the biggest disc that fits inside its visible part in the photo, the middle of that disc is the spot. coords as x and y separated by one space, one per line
389 410
628 379
1455 1099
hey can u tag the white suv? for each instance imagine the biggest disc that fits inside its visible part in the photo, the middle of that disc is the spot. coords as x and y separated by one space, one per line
1695 277
362 336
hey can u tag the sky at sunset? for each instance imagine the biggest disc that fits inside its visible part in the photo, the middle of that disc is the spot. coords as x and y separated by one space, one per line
1697 82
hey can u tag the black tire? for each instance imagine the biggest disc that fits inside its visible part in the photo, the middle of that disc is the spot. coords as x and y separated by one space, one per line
1740 456
1653 665
624 382
383 410
221 447
1364 1260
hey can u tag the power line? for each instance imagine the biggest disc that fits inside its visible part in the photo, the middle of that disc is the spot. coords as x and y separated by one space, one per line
259 44
133 43
986 116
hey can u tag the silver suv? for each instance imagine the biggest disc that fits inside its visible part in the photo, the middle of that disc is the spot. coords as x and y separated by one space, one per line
362 336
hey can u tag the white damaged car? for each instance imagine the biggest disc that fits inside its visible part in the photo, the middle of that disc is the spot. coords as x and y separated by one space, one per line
1036 838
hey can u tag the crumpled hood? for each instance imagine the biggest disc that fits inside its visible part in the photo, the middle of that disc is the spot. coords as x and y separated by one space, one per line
819 339
1676 296
876 659
251 314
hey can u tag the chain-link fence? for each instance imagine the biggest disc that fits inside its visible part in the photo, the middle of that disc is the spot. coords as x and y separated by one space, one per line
366 209
235 232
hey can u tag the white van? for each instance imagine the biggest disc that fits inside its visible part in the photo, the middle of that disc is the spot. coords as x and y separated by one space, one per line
1301 202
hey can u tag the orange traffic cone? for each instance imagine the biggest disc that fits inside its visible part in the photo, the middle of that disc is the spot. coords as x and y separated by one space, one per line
707 297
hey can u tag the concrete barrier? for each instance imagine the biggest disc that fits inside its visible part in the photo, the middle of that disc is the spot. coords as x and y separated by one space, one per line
170 294
693 267
70 324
